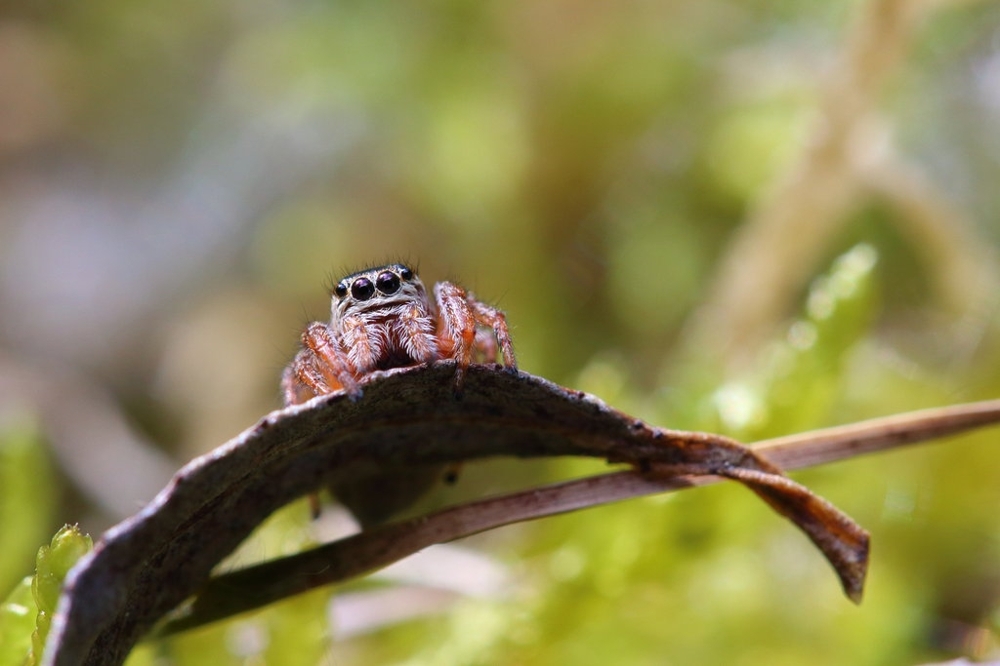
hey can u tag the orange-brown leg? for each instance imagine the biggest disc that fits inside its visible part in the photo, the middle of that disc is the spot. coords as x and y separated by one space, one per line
496 320
418 335
363 349
456 327
294 390
329 363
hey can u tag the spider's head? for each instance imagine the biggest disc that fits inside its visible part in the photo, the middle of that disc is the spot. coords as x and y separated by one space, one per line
376 288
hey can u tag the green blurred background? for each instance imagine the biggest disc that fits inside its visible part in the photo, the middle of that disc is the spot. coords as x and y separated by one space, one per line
755 218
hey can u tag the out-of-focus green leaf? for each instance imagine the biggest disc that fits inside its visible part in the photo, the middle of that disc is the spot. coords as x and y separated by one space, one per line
221 644
17 619
142 655
298 631
27 496
291 633
752 144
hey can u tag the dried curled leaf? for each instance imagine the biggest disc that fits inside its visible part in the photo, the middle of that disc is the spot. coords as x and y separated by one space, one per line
151 562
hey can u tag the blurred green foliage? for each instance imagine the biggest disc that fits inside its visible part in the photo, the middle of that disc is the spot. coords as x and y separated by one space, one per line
797 379
589 167
27 498
17 622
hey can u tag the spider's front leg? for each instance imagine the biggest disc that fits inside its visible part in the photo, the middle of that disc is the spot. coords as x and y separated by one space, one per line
459 316
364 345
321 367
417 333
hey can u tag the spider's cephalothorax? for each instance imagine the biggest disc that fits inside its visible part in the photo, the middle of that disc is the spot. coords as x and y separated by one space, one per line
383 318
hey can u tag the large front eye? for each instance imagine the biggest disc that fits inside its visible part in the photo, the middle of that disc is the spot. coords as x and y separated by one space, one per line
362 289
387 282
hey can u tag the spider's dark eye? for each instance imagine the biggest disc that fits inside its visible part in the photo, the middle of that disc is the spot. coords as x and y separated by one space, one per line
405 273
387 282
340 290
362 289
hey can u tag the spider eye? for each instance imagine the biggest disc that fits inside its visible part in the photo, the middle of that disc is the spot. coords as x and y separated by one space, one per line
340 290
405 273
362 289
387 282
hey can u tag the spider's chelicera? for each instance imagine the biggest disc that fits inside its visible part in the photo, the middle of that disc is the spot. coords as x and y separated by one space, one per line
383 318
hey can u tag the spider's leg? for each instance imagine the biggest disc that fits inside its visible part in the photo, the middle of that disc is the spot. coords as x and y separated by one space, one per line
416 331
304 379
299 381
363 343
495 319
456 327
329 361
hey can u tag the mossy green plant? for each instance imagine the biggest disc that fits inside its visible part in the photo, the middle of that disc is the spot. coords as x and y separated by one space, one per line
26 614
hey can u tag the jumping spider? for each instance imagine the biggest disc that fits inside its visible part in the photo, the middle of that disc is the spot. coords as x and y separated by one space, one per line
382 318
